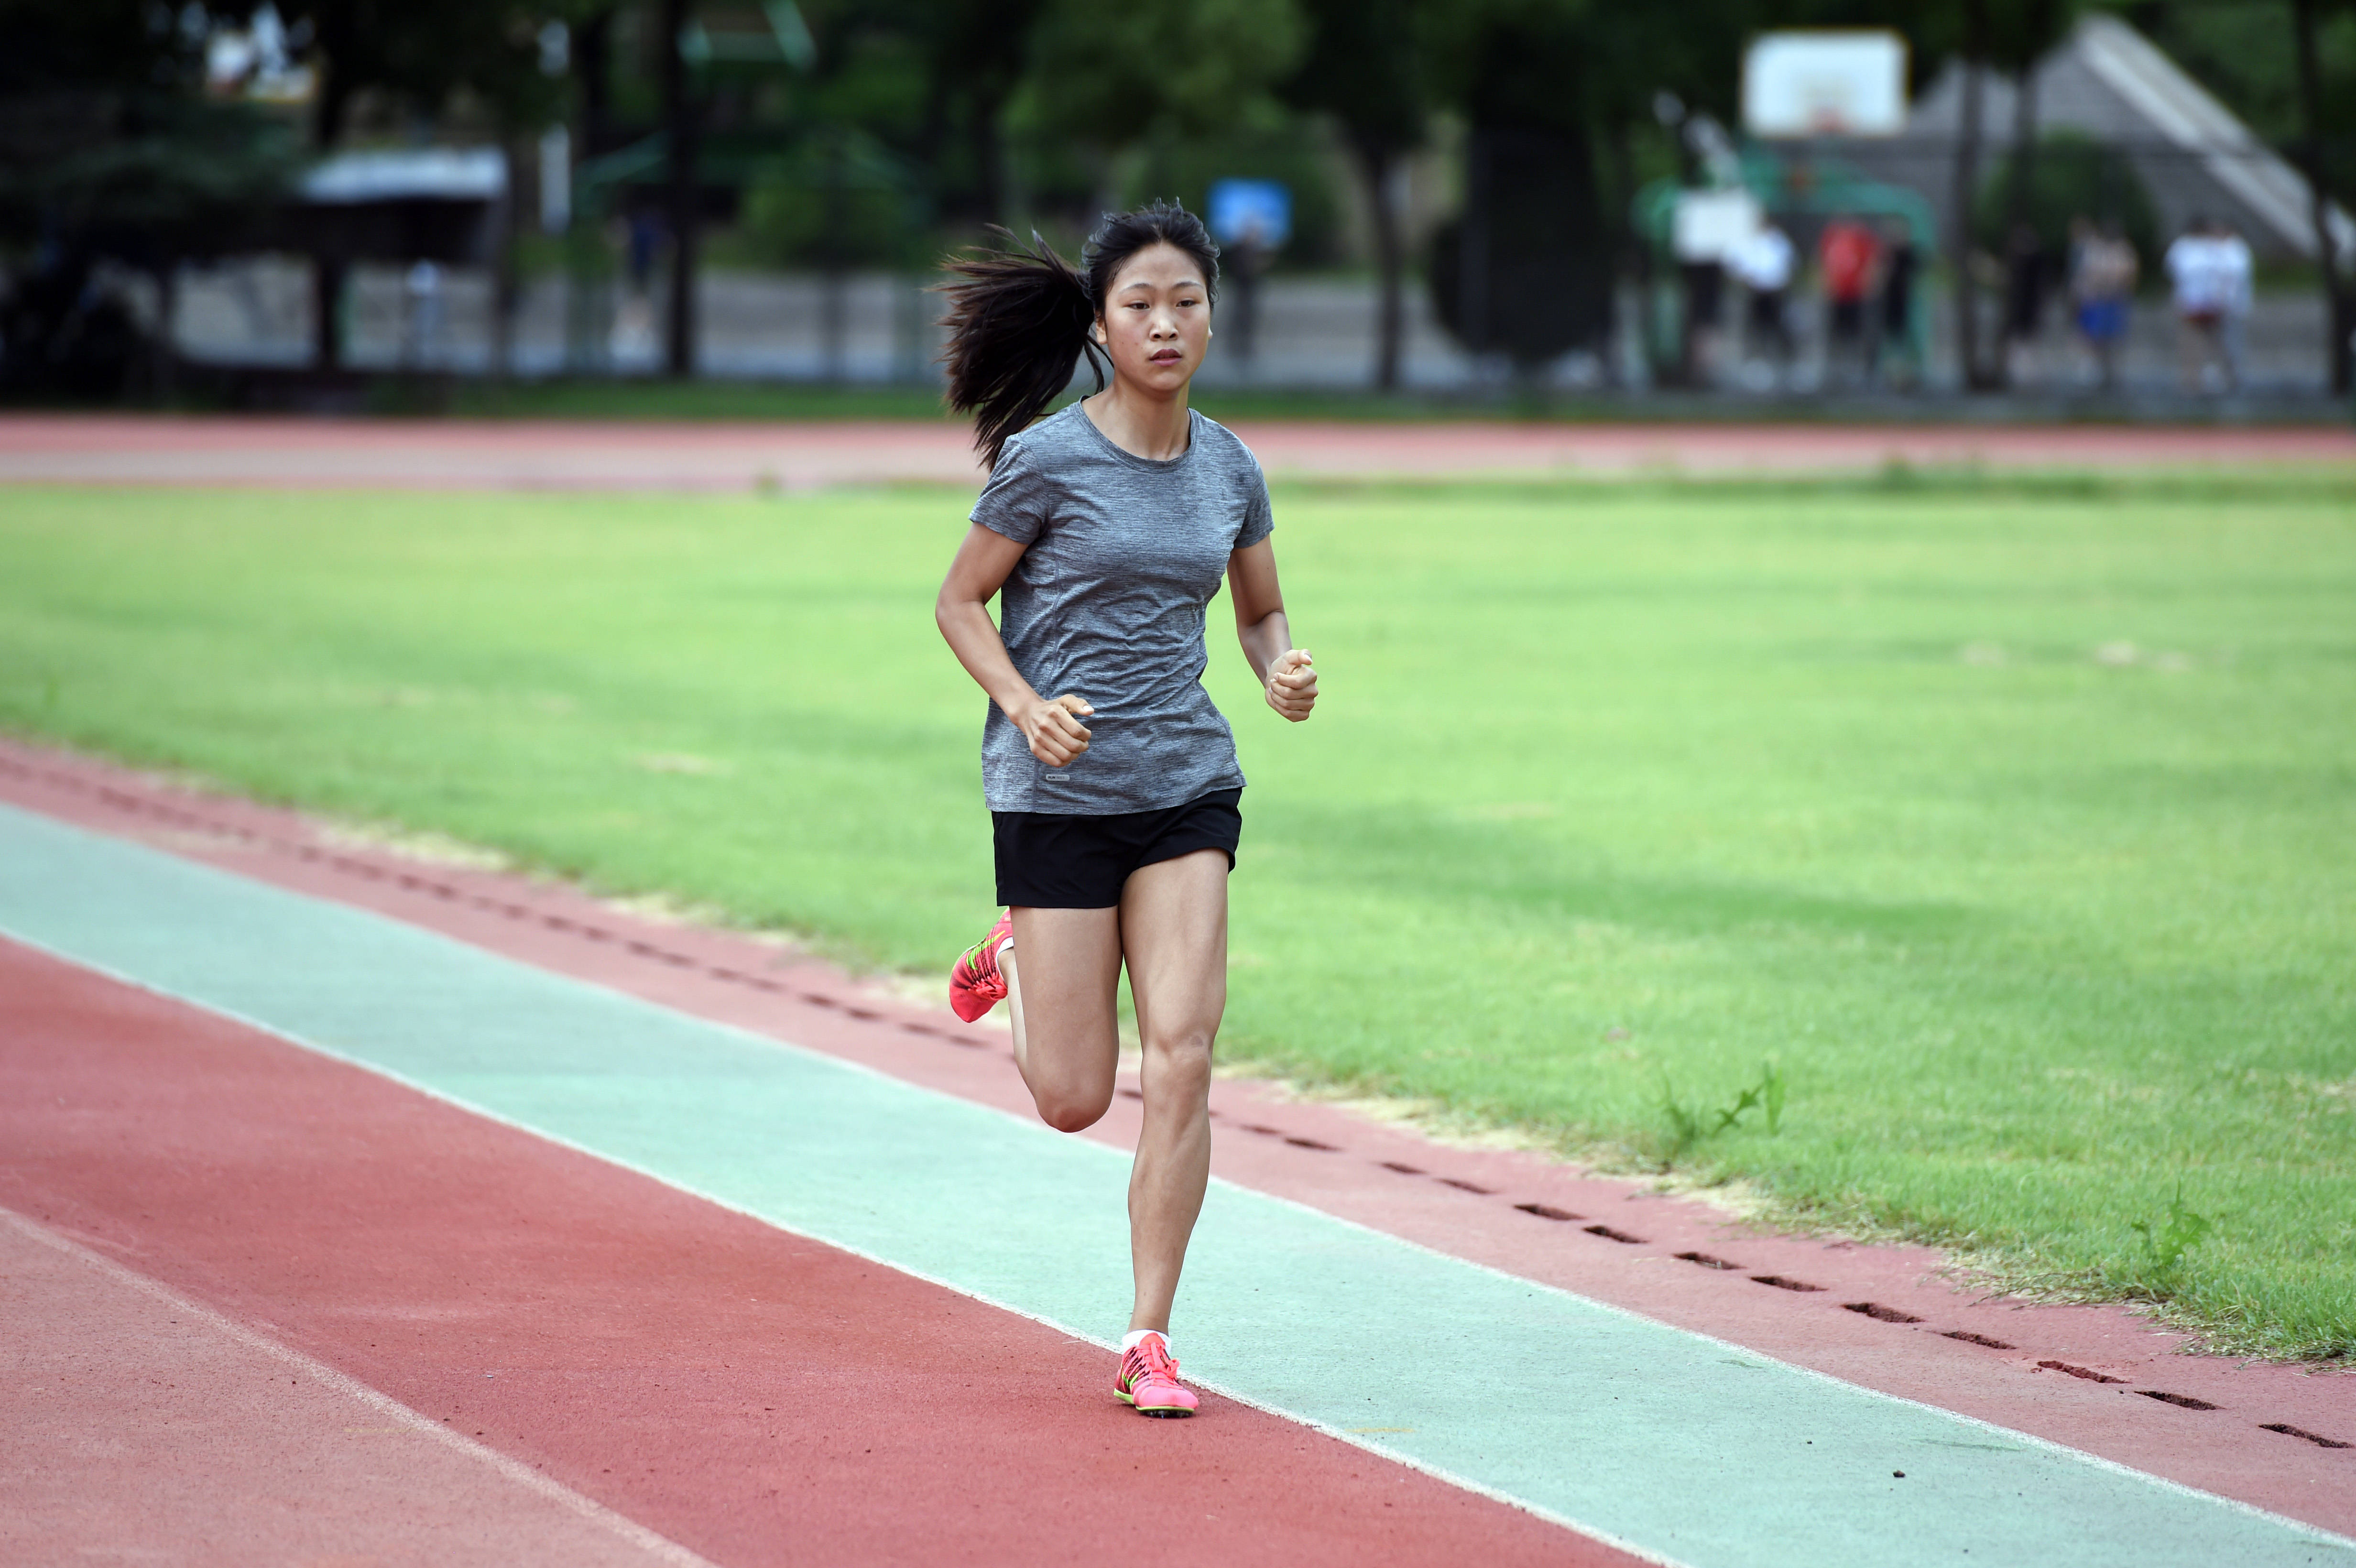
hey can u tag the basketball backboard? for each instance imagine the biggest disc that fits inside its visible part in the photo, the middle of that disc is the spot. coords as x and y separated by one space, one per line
1824 82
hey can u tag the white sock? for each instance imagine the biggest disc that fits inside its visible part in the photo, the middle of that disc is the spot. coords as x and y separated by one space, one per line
1003 949
1128 1340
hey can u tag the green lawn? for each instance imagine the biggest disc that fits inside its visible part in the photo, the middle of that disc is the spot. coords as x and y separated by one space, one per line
2017 825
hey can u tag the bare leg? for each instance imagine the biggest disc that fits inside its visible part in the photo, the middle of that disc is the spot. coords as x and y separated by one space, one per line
1173 932
1065 999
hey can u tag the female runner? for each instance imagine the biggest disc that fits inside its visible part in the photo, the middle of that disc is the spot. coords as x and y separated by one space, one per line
1106 528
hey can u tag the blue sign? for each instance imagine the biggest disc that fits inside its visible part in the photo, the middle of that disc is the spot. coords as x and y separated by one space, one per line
1251 212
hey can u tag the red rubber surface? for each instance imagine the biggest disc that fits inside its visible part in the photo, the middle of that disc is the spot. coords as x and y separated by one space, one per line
756 1396
1340 1167
524 454
141 1427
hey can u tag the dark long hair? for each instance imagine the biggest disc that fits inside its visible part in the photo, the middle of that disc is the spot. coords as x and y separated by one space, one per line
1019 316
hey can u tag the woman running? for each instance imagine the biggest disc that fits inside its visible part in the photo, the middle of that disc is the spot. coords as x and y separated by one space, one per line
1106 528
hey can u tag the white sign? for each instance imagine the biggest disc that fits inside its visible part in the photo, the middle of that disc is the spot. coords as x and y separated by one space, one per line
1825 83
1708 224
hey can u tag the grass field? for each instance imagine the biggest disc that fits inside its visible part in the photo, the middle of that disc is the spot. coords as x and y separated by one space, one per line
2012 825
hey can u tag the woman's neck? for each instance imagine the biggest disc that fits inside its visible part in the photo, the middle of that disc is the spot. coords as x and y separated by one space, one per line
1142 423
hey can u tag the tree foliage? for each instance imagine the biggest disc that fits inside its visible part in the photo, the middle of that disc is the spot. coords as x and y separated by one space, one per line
1108 74
423 53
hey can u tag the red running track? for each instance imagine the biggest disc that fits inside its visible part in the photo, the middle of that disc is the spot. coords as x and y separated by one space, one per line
757 1397
2012 1366
742 455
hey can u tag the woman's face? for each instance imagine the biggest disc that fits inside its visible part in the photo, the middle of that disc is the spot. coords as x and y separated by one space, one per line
1156 321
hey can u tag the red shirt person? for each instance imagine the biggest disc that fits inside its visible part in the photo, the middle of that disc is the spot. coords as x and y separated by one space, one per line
1847 254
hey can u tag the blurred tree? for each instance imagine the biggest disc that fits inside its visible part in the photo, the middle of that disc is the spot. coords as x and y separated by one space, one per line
422 53
111 152
419 58
1105 75
1363 66
1592 80
1527 269
2020 33
2072 176
683 202
975 56
2320 116
839 199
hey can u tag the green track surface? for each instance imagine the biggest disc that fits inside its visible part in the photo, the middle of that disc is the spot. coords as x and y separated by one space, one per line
1682 1447
2013 822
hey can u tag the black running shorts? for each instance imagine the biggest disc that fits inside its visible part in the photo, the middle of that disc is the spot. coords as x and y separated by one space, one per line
1051 861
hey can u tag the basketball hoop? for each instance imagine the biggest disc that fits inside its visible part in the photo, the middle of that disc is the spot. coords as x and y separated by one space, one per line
1824 82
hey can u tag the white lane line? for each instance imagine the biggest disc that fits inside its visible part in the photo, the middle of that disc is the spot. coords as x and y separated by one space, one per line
660 1547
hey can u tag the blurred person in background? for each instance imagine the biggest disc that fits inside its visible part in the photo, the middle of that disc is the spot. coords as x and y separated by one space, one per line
1104 532
1847 258
1705 291
1893 337
633 334
1762 262
2201 279
1246 259
2024 304
420 311
2238 274
2103 274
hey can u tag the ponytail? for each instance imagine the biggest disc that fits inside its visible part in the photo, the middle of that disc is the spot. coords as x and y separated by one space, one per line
1019 318
1018 323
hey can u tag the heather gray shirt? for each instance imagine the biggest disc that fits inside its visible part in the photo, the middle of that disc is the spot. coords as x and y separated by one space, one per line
1122 555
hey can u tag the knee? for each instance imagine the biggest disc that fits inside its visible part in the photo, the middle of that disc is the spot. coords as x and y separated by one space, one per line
1069 1112
1180 1062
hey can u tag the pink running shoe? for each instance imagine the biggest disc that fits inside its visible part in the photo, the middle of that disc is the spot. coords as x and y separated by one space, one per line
1148 1380
975 984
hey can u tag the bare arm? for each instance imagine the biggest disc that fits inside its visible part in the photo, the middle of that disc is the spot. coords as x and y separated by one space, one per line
1050 727
1287 674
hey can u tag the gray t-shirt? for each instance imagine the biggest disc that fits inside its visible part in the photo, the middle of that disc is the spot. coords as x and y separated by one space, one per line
1122 555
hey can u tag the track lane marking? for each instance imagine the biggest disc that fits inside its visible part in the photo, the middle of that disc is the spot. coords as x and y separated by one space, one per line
405 1421
169 920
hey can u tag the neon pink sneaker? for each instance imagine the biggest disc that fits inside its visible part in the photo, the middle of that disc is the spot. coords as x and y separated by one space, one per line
975 984
1148 1380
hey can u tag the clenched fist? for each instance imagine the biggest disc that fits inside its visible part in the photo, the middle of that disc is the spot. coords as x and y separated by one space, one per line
1292 684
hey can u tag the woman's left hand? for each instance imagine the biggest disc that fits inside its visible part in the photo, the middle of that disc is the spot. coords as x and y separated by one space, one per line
1292 684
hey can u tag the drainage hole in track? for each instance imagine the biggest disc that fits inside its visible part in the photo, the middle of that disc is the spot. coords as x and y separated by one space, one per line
1132 1095
1313 1143
2181 1401
1609 1235
1547 1211
2088 1373
1780 1283
1264 1132
1969 1338
1707 1261
1402 1169
1879 1313
1462 1186
2287 1430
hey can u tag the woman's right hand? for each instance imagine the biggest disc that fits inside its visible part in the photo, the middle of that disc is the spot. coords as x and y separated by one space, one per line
1052 728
